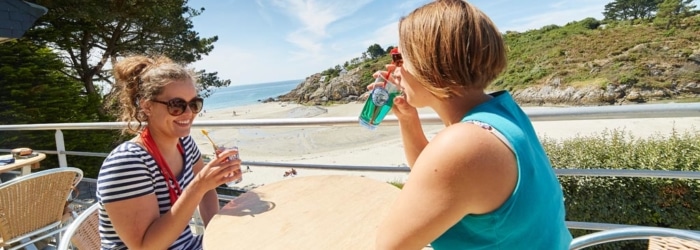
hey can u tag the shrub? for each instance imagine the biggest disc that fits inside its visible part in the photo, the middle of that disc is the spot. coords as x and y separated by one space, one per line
657 202
589 23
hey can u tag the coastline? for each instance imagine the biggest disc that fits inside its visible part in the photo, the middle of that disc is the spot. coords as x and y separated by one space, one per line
354 145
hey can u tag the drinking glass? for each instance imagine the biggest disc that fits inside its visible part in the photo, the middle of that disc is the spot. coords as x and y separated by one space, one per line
379 102
223 148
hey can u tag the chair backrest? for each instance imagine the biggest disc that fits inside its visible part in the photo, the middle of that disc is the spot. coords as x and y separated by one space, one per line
659 238
666 243
83 232
33 204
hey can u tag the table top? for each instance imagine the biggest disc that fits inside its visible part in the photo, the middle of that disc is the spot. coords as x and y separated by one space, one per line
313 212
19 163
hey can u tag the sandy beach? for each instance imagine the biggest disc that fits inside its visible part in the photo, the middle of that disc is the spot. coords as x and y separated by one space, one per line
357 146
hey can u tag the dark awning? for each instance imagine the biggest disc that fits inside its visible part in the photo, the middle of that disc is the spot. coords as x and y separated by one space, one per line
16 17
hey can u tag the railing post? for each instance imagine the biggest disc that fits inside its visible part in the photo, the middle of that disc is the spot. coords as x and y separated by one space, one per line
61 149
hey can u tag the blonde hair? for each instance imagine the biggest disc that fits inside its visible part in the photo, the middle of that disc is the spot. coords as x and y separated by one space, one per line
142 78
451 45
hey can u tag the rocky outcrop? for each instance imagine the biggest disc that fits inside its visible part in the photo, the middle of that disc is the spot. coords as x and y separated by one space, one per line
314 92
317 90
613 94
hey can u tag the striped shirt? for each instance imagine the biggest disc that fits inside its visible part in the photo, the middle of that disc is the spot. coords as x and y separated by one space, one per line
129 172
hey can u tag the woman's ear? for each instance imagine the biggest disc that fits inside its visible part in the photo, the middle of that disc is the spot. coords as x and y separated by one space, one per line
145 106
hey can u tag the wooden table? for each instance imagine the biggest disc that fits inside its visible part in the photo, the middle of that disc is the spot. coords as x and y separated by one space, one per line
313 212
25 164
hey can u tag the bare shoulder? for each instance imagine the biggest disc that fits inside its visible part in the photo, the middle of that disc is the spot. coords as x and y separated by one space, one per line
472 163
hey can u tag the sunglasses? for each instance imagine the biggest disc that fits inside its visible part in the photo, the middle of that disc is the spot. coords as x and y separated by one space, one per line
396 59
177 106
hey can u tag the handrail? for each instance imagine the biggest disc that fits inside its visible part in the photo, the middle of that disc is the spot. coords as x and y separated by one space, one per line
631 233
535 114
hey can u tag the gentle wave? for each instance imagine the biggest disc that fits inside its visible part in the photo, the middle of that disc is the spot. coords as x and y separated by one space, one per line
240 95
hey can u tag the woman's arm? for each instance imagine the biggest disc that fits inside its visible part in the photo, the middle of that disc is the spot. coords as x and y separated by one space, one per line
414 140
209 205
464 170
139 224
412 135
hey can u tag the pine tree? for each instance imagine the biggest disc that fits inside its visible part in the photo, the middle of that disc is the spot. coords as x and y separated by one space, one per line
33 90
672 11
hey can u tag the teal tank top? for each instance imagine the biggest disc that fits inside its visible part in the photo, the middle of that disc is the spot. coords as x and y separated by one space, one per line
533 217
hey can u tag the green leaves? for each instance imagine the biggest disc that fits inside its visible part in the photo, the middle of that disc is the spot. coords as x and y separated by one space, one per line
636 201
33 90
91 33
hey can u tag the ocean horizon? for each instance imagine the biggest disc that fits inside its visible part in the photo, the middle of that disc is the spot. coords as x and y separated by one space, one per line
246 94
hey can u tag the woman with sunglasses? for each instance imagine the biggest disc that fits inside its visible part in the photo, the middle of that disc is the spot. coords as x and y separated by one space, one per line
149 187
484 181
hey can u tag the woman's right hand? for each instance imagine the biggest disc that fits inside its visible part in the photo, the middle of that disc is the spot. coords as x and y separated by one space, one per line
220 170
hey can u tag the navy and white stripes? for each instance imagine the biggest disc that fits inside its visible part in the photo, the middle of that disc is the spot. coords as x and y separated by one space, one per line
129 172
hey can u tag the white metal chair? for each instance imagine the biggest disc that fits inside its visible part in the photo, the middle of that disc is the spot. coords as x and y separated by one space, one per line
31 206
83 232
659 238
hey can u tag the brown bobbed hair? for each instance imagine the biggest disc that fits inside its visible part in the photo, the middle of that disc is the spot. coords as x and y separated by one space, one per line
449 46
142 78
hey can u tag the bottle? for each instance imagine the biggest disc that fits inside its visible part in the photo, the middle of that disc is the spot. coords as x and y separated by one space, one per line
379 103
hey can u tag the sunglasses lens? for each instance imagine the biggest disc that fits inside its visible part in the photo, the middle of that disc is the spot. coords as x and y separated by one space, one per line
176 106
397 59
196 105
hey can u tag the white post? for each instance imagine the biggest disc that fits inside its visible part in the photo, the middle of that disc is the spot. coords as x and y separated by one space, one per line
61 149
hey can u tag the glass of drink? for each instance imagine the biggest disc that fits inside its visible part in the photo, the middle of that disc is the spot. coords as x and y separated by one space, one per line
379 102
230 158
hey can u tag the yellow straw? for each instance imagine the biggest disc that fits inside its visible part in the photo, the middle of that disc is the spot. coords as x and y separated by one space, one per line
204 131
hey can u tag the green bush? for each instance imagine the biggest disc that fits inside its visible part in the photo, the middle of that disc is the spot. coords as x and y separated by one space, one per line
657 202
589 23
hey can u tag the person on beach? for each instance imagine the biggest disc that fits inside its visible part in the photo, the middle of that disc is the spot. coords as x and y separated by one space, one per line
484 181
149 187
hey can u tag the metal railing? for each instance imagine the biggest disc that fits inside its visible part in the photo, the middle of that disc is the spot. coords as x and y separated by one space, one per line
550 114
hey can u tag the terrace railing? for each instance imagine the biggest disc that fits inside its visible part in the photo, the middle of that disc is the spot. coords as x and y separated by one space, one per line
553 114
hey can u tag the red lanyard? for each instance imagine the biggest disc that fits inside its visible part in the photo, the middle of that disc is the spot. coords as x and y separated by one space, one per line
173 187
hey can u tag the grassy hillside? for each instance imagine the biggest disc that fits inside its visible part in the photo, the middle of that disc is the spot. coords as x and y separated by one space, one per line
584 53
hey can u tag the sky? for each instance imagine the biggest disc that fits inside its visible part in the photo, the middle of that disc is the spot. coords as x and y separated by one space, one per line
277 40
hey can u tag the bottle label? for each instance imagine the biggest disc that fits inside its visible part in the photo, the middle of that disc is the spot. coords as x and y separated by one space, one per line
380 96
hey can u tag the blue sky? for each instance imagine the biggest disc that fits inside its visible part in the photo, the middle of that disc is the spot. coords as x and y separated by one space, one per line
277 40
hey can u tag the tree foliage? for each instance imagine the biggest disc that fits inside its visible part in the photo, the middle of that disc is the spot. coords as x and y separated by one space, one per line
92 33
33 89
620 10
375 51
388 49
671 11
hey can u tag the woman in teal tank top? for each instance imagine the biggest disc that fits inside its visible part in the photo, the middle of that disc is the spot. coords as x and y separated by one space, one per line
484 181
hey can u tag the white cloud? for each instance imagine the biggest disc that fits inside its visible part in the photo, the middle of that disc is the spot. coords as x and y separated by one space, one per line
315 16
385 36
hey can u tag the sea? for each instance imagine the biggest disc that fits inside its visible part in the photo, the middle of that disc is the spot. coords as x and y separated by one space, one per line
241 95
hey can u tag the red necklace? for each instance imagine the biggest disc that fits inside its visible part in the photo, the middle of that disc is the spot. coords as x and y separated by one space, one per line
173 187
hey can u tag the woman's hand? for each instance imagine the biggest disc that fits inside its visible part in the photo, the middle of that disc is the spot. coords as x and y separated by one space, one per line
220 170
402 110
